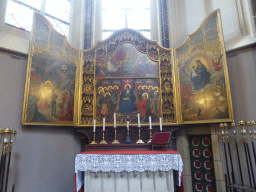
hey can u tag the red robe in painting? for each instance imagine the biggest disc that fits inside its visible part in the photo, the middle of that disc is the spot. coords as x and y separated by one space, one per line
186 91
217 64
69 115
143 105
35 77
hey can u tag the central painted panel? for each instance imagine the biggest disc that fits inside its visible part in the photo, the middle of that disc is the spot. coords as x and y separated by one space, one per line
128 84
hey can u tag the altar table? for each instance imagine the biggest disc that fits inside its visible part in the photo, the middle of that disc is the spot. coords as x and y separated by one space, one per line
127 170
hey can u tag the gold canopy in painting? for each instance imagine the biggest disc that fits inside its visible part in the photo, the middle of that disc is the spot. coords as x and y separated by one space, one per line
129 75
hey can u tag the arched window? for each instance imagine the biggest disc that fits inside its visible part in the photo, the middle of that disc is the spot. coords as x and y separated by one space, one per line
131 14
112 15
19 13
254 9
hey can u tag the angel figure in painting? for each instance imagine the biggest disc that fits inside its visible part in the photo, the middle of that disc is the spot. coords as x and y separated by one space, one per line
217 65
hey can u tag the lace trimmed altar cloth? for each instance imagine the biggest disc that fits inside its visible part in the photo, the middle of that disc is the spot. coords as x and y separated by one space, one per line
128 160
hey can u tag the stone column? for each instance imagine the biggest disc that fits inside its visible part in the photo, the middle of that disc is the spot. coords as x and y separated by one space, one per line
183 148
218 167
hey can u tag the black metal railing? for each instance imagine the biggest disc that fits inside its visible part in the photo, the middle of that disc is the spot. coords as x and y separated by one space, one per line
238 151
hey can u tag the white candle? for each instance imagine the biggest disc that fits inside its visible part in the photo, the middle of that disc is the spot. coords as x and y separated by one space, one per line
160 120
222 132
150 126
94 125
138 120
114 119
234 131
127 126
103 124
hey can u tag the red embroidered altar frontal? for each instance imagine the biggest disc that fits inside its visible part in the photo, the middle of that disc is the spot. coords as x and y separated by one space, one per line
131 152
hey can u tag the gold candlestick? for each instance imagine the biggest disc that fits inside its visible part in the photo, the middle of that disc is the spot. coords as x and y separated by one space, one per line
139 141
150 136
115 141
93 142
103 138
248 123
253 128
222 132
226 131
234 130
243 130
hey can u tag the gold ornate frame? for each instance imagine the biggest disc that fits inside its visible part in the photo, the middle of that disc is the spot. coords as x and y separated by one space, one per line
90 57
205 49
47 43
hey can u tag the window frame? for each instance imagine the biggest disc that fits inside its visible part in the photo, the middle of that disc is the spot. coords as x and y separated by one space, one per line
42 11
155 29
126 23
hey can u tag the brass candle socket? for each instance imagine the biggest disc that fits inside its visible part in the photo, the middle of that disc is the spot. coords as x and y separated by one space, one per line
222 132
226 131
139 141
103 138
250 129
242 125
93 142
253 128
115 141
233 124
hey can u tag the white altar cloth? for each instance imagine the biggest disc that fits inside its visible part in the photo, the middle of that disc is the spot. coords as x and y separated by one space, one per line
140 161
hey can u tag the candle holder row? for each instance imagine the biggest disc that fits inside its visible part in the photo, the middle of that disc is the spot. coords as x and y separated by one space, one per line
127 141
245 127
244 155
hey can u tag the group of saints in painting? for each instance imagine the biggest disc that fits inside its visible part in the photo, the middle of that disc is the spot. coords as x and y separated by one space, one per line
129 101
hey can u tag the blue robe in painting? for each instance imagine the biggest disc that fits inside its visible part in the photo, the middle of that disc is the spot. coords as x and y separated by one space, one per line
201 77
127 100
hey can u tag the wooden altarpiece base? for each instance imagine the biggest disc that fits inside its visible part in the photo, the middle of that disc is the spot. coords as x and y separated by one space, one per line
121 134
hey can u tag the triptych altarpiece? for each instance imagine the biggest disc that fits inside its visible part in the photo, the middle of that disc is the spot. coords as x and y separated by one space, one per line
127 74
